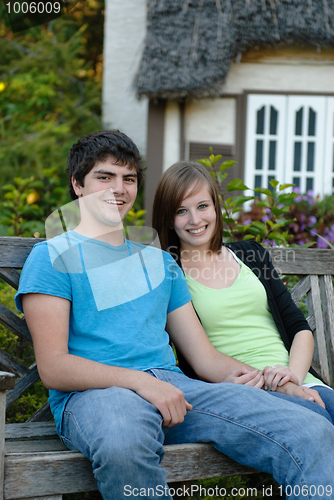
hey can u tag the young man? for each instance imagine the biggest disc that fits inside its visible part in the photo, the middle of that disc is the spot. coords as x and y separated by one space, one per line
96 306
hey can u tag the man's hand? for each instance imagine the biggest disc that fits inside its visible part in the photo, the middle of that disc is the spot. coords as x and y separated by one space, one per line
278 375
253 378
301 392
169 400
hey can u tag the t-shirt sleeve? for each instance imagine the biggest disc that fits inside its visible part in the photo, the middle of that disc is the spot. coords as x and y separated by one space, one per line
39 276
180 294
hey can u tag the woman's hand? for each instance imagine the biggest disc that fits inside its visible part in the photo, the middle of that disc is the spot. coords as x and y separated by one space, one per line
278 375
253 378
301 392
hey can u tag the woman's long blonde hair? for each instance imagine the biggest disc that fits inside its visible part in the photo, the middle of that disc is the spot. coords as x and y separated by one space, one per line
170 192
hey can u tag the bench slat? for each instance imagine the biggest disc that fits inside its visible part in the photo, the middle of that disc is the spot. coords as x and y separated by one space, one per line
10 364
10 276
314 307
14 323
14 250
22 385
302 261
327 301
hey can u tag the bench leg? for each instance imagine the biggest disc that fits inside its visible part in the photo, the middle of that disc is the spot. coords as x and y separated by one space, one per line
2 439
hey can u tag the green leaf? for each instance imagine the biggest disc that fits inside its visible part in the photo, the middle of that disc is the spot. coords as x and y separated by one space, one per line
221 177
255 230
240 228
216 158
227 164
287 196
263 203
284 186
260 225
274 183
236 185
248 237
277 211
307 245
263 191
276 236
226 234
206 162
239 200
228 220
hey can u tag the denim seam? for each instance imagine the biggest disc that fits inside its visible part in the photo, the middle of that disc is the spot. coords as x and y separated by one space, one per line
296 461
78 428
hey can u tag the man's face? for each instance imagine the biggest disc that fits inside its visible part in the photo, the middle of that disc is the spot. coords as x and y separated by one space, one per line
108 194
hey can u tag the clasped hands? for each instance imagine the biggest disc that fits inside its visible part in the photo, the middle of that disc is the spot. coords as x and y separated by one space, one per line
274 378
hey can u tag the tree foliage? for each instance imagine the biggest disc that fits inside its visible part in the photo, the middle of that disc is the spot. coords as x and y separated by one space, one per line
49 92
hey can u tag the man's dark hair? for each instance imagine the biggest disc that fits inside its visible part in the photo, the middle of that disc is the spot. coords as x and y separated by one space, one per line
99 146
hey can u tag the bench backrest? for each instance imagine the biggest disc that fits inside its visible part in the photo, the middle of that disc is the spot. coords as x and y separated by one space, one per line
314 268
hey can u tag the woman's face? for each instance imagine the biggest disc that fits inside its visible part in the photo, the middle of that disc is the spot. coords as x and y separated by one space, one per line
195 219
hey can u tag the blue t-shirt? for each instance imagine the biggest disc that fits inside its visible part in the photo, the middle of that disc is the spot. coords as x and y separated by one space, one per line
120 299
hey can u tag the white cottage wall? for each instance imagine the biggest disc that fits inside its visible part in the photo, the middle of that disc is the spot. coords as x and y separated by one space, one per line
293 77
125 28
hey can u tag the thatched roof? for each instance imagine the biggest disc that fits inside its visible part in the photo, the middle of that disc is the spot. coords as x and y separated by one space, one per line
190 44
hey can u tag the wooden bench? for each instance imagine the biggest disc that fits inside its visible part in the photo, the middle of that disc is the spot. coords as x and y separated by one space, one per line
34 464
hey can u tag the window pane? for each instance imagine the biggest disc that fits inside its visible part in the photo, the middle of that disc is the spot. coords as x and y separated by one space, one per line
310 156
309 183
260 121
270 178
299 122
259 155
296 181
272 155
273 120
258 181
297 157
311 122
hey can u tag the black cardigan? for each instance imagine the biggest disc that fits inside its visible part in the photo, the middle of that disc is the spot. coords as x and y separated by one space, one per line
288 318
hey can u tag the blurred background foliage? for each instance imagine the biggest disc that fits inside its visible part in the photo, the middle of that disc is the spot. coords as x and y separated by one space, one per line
50 90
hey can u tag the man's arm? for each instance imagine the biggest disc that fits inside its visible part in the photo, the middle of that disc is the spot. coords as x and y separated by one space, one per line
47 317
189 337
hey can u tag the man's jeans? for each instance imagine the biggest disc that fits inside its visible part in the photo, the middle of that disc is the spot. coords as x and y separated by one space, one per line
122 435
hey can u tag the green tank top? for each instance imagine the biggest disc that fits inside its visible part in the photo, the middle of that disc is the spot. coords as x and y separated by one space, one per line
239 323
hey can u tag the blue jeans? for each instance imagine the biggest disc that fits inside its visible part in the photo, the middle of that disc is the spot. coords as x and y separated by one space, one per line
122 435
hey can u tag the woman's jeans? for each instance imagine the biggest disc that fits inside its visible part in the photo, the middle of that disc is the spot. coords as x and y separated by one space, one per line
122 435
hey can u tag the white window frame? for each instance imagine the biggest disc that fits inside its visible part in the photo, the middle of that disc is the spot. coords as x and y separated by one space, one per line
287 105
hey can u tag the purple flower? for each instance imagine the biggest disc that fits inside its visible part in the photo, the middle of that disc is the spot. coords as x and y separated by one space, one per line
321 243
265 218
247 221
302 217
311 220
296 189
302 227
301 242
313 232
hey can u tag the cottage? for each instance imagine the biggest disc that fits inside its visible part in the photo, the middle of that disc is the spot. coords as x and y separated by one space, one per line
252 78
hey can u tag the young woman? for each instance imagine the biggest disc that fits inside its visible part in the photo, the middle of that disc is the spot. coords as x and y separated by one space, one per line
242 304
